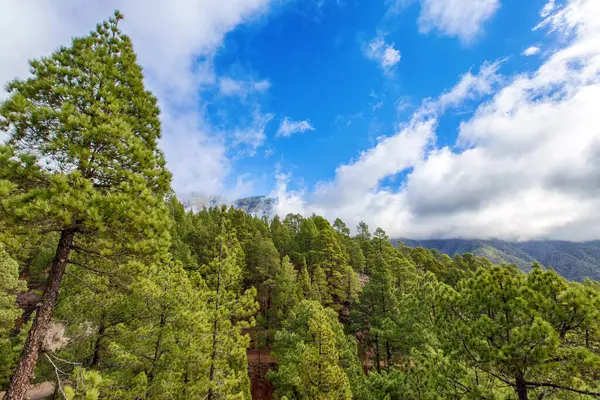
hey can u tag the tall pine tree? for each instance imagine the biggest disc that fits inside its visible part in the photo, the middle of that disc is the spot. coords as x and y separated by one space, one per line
309 350
229 308
82 160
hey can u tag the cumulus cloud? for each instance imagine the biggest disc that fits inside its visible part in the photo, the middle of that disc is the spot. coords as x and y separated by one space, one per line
383 53
531 51
288 127
460 18
288 201
175 42
196 154
457 18
525 165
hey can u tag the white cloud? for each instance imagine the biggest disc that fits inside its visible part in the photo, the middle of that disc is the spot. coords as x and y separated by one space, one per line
251 137
269 152
377 106
457 18
526 165
471 86
390 57
288 201
383 53
231 87
196 155
170 39
548 8
261 86
289 127
389 156
531 51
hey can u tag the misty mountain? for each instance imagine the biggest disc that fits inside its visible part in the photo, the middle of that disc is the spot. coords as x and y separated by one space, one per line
572 260
260 206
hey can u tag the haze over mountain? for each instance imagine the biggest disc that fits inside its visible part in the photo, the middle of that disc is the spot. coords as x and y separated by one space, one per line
260 206
575 261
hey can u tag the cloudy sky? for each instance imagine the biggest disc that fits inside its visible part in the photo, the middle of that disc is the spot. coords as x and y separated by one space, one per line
428 118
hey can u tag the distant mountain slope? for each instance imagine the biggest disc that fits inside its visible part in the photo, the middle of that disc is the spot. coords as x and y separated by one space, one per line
574 261
256 205
259 206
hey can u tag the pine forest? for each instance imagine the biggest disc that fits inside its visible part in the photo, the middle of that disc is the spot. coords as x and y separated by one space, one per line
111 289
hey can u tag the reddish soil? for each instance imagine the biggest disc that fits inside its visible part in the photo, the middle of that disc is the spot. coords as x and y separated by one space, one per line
258 365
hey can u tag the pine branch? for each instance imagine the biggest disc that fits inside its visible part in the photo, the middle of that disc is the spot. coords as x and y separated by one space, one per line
555 386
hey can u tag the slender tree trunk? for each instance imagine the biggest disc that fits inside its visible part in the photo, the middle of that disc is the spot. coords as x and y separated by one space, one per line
23 374
587 338
186 383
213 355
157 347
388 354
377 353
521 387
96 356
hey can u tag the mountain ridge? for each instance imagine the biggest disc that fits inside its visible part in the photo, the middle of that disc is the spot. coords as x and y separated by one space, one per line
573 260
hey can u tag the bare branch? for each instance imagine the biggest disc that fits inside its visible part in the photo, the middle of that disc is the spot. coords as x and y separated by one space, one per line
56 371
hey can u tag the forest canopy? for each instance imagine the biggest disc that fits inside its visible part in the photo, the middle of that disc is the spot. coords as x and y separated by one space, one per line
152 300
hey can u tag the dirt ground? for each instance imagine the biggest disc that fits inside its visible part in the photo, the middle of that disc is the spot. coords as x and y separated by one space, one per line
41 391
258 365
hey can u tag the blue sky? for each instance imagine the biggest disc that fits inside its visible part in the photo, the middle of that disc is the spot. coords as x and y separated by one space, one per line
314 58
428 118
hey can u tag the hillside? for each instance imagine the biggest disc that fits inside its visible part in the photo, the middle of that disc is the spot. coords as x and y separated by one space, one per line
574 261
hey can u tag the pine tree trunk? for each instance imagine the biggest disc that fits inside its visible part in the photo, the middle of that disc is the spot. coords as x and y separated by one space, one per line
157 347
96 356
213 355
521 387
388 354
19 383
377 353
